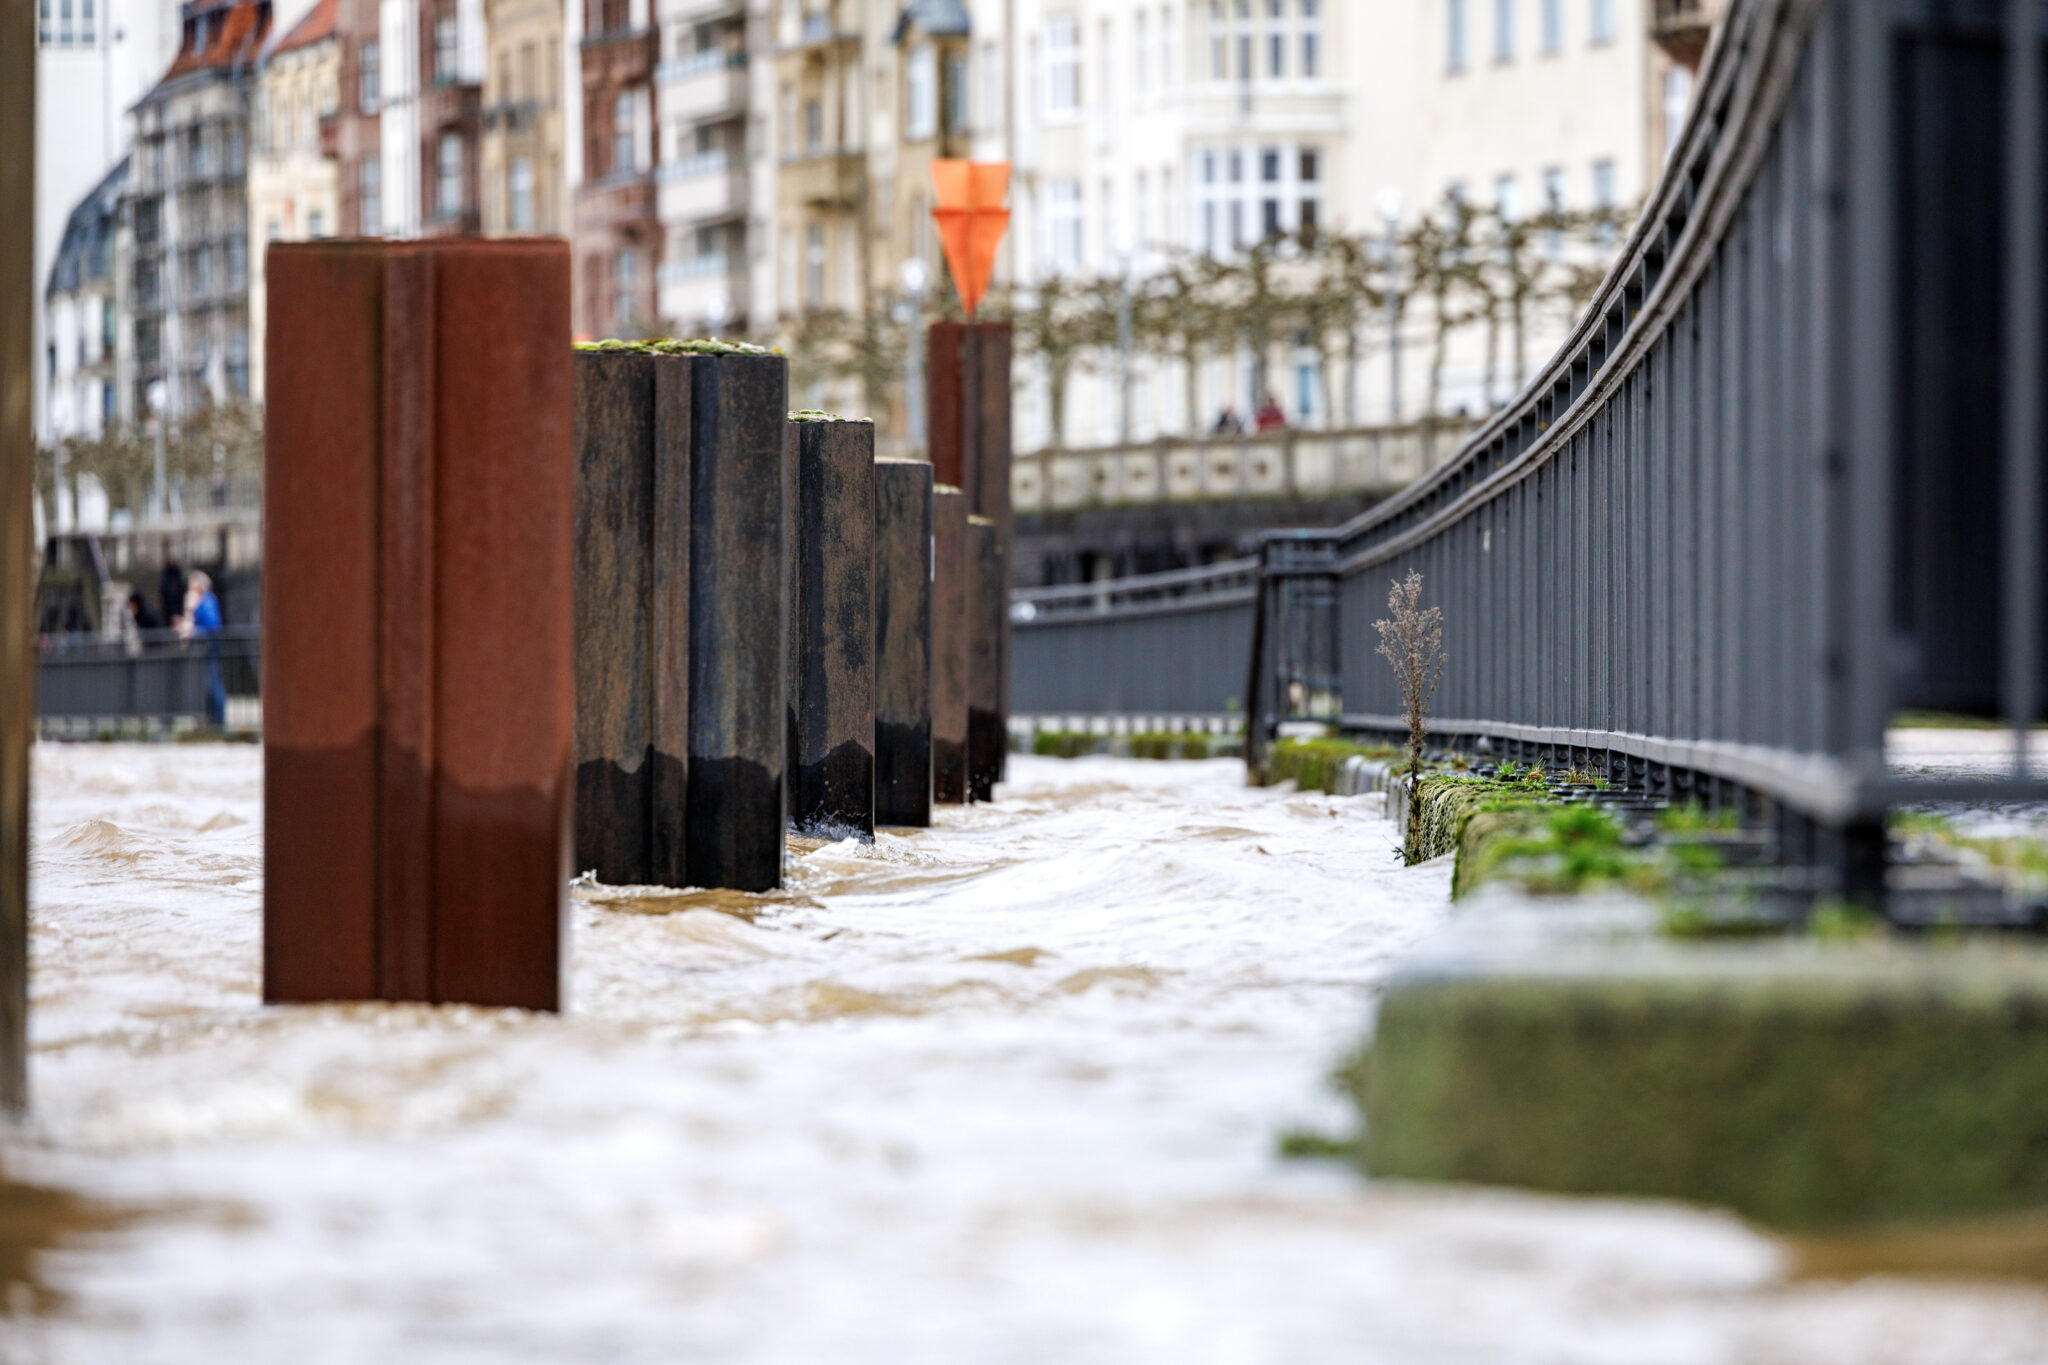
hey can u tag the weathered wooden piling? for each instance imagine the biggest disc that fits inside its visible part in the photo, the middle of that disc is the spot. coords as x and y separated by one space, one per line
988 600
740 487
18 302
949 646
632 615
903 642
418 498
832 627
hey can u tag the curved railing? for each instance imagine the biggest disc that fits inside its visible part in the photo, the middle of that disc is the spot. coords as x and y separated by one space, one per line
1782 479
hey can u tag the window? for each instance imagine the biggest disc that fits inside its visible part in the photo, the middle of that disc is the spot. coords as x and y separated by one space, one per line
1276 39
1141 211
238 261
1677 99
448 176
1311 39
45 31
65 33
1553 208
1209 242
625 289
922 119
1507 198
1309 168
814 265
1244 40
622 133
1062 65
444 49
366 78
814 126
1063 226
529 72
519 194
370 192
1105 201
1165 49
954 92
1601 29
1603 184
316 224
1553 27
1219 43
991 86
85 22
1455 58
1503 30
1141 54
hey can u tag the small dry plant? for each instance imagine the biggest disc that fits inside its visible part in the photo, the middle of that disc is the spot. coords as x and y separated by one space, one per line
1412 640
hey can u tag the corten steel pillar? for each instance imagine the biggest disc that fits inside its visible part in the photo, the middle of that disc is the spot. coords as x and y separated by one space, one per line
832 629
969 407
740 486
418 686
949 646
17 534
632 615
903 642
988 601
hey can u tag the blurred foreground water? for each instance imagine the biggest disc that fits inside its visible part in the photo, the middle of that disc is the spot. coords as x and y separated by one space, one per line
1003 1091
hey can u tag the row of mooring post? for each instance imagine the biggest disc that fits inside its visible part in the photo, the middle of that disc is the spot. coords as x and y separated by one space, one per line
534 612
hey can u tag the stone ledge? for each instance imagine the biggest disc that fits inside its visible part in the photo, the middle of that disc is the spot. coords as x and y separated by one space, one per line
1808 1086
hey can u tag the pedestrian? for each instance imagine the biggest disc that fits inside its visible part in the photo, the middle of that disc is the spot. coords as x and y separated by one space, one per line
1228 423
202 622
170 592
142 615
1269 415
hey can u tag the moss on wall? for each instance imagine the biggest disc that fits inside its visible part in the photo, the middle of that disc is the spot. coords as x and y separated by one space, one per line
679 346
1313 764
1807 1088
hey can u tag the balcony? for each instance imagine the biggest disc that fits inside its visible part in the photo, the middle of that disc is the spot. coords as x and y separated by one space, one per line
706 85
618 201
1681 29
703 293
828 178
702 188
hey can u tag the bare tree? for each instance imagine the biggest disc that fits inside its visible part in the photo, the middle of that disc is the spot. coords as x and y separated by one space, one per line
1413 642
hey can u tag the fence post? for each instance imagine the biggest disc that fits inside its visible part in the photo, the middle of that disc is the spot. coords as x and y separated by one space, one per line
903 642
740 487
987 615
17 536
632 615
949 646
417 728
832 629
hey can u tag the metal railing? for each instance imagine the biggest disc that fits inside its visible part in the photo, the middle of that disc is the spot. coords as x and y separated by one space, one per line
1782 481
85 682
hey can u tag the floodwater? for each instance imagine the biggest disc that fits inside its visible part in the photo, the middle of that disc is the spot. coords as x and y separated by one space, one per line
1001 1093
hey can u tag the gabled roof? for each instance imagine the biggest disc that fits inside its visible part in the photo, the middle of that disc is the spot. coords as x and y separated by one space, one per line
232 34
317 26
938 18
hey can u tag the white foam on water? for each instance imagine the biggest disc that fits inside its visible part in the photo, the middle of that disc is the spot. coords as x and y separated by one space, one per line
1003 1091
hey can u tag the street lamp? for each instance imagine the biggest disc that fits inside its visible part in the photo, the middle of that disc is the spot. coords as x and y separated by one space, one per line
1390 214
915 277
159 399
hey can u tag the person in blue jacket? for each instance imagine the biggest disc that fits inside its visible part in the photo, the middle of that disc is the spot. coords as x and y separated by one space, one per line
202 621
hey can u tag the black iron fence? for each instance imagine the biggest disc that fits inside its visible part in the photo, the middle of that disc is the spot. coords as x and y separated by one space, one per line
154 678
1783 480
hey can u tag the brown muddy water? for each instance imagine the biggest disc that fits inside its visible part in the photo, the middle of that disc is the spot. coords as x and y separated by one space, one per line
1004 1091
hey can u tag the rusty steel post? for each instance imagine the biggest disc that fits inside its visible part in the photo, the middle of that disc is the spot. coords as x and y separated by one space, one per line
18 302
632 615
949 646
740 488
418 686
903 642
832 609
988 599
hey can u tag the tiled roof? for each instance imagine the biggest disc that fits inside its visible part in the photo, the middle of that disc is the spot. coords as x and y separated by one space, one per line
315 27
233 34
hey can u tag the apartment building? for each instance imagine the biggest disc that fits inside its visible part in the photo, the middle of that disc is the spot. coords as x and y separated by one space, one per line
186 270
294 176
81 318
523 176
703 89
617 237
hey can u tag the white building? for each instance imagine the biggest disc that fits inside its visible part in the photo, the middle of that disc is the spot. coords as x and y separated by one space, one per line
1145 127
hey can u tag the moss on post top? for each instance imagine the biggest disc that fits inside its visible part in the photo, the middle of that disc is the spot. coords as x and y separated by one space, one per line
815 415
973 520
945 487
675 346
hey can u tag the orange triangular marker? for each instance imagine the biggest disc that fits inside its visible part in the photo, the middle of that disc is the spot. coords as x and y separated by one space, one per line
971 220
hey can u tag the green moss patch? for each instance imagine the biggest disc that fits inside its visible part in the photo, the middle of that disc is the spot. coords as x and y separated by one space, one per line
1313 764
814 415
1809 1087
1154 744
678 346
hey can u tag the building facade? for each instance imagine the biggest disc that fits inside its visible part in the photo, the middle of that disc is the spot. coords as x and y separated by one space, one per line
81 319
294 176
703 89
618 237
523 176
187 242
